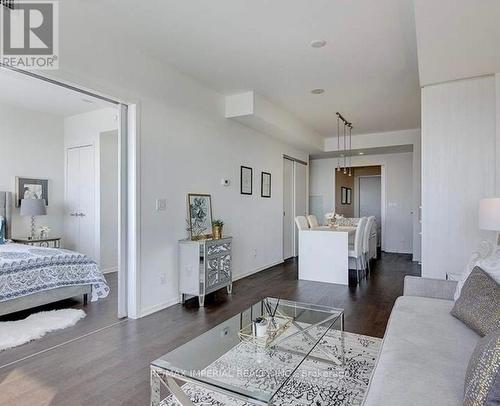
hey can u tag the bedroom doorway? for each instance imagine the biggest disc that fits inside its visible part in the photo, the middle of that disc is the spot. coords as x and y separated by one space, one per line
94 212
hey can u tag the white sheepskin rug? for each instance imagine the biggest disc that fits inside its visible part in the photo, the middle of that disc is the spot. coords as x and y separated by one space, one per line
35 326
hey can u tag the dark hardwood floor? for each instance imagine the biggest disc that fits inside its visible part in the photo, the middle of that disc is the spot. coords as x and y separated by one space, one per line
100 314
111 366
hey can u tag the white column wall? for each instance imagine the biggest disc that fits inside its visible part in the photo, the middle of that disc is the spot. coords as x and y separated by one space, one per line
458 169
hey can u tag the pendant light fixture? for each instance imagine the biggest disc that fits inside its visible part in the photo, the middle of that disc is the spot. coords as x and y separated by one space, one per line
338 141
350 149
346 147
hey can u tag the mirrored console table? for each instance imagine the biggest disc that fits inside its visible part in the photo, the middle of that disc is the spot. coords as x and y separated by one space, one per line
204 267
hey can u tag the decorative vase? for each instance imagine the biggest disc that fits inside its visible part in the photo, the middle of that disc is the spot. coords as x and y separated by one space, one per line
217 232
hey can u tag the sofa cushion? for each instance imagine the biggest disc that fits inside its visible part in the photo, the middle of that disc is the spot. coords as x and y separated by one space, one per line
482 380
479 303
424 356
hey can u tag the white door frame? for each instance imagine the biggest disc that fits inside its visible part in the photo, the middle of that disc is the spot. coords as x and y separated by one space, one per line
129 193
295 162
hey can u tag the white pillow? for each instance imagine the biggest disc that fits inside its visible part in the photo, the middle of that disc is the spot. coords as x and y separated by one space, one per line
488 259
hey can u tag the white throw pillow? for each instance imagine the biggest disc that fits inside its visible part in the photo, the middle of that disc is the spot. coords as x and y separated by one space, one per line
488 259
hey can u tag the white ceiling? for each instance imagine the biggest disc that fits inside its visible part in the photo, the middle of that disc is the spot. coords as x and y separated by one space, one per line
457 39
394 149
34 94
368 68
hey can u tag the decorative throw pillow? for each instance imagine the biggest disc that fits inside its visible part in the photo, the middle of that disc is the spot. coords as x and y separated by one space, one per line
482 380
487 258
479 303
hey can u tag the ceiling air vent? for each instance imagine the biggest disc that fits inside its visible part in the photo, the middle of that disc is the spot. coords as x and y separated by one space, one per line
8 3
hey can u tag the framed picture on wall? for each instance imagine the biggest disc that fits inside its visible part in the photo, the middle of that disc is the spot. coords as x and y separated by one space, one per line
246 180
349 196
29 188
343 195
265 184
200 216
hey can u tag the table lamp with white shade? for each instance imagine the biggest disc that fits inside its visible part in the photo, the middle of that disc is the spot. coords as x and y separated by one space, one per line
489 215
33 207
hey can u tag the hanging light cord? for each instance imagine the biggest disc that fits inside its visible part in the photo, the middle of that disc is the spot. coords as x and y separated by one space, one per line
338 142
350 149
347 166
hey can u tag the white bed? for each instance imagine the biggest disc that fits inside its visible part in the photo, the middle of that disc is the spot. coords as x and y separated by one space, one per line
33 276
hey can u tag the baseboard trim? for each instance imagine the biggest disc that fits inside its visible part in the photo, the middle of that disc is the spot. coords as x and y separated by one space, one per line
109 270
393 251
156 308
257 270
161 306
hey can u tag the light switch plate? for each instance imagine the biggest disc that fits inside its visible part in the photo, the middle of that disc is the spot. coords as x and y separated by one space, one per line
161 204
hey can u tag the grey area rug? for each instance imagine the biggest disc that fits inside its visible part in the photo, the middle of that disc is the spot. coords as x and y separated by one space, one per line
316 382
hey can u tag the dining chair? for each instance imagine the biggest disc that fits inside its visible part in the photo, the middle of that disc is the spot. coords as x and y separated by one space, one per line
366 243
301 222
313 221
356 250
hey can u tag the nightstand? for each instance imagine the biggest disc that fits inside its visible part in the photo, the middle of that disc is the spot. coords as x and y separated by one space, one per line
42 242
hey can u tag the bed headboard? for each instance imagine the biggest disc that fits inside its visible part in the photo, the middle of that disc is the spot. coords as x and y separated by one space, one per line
6 211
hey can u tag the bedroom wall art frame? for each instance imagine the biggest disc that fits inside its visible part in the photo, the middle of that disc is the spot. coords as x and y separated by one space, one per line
349 196
265 184
343 195
31 188
246 180
200 216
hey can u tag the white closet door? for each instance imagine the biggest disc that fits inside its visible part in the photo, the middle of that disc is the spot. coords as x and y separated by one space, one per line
87 202
72 222
288 209
300 197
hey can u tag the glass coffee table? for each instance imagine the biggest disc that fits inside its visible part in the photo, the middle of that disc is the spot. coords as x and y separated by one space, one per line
231 360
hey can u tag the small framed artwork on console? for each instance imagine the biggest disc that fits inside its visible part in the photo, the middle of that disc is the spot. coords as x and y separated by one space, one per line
265 184
246 180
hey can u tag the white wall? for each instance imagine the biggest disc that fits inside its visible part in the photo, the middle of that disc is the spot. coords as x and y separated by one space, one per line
497 172
32 145
186 145
399 203
458 169
109 169
183 152
86 129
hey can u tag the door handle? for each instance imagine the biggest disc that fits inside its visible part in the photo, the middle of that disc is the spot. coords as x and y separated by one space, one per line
81 214
73 214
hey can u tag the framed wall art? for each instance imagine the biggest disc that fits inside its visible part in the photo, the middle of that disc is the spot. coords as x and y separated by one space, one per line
30 188
343 195
200 216
265 184
246 180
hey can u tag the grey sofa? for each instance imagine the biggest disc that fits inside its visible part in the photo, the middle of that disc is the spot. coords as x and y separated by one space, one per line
425 351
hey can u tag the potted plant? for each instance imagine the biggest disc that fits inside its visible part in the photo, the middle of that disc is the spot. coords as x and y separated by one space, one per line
217 226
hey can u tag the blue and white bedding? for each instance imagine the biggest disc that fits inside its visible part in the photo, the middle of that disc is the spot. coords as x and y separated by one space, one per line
25 270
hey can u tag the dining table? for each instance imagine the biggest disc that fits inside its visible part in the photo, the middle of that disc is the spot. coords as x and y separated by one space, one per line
324 253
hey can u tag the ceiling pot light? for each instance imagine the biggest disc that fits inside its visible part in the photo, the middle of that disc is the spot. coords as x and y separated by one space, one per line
318 91
361 153
318 43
